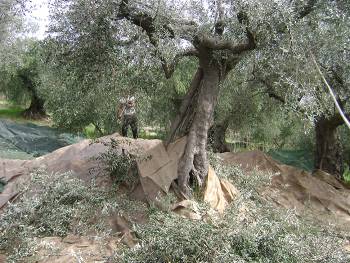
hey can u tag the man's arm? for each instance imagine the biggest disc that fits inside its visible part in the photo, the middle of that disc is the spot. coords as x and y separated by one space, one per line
120 110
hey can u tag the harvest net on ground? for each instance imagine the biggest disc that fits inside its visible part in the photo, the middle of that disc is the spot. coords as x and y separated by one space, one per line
26 141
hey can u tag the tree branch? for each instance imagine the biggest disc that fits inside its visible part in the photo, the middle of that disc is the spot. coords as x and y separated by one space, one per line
223 44
147 23
271 93
307 9
170 68
220 24
341 82
340 110
143 20
269 89
337 120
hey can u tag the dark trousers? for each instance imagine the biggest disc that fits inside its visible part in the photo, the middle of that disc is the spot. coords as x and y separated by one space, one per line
132 121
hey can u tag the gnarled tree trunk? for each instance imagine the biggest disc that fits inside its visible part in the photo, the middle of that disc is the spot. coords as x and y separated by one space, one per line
197 110
216 137
36 108
217 56
328 148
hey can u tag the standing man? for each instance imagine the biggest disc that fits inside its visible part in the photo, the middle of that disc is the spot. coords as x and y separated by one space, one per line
127 113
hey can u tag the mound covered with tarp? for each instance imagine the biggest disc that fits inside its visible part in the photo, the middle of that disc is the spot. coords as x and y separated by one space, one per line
25 141
156 169
302 159
319 193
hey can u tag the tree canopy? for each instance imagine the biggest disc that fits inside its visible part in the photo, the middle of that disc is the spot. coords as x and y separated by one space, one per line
112 47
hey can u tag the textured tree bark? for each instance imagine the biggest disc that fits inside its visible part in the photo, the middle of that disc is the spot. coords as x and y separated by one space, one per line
36 109
186 111
216 137
199 113
328 149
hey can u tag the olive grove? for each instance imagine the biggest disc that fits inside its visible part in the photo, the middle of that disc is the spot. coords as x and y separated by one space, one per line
9 18
109 41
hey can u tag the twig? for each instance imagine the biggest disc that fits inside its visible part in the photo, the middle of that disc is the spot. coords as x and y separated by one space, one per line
342 114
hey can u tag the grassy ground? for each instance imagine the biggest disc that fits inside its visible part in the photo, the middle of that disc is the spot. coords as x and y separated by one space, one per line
30 137
13 112
147 133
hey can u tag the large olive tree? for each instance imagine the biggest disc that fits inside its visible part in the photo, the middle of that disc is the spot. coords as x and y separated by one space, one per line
218 34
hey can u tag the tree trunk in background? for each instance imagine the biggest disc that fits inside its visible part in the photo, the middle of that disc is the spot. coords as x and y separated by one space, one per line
329 151
36 108
216 137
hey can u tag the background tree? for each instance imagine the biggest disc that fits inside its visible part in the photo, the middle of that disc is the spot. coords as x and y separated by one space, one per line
87 69
248 114
20 80
10 19
291 77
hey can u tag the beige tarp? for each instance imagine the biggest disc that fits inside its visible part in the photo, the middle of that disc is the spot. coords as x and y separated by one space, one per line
218 193
157 168
251 160
160 165
78 158
292 188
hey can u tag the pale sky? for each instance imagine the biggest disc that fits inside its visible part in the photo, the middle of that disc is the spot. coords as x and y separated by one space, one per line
39 15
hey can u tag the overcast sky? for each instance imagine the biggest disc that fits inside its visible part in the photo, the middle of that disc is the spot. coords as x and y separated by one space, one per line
39 15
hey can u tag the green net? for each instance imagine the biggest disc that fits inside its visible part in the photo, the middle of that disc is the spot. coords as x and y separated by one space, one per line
27 141
302 159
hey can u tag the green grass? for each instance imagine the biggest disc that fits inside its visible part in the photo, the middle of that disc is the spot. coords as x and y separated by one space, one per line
13 112
149 135
346 174
90 131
